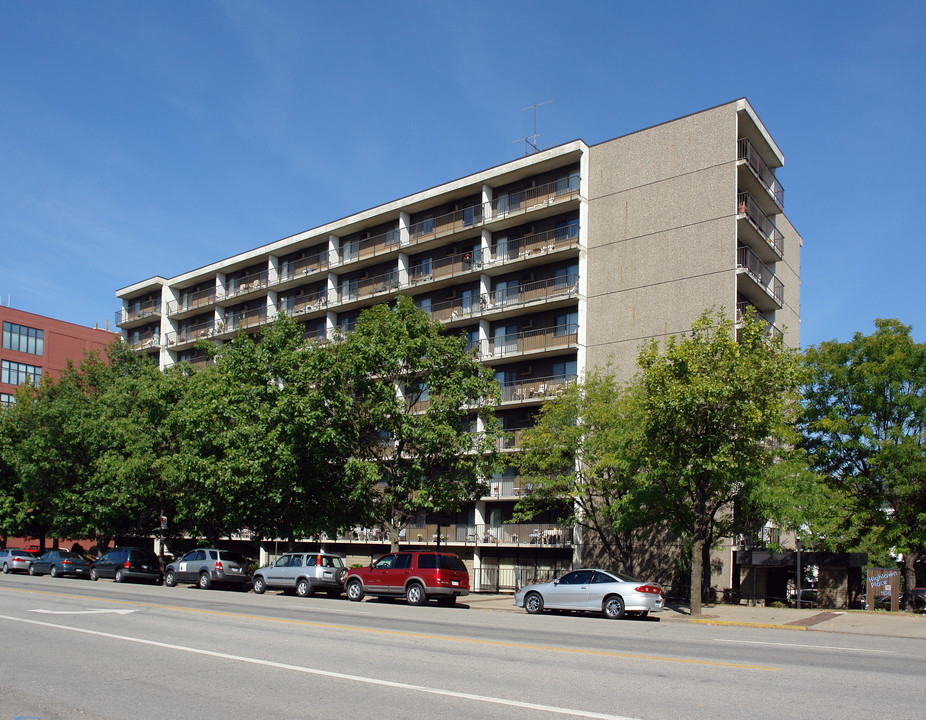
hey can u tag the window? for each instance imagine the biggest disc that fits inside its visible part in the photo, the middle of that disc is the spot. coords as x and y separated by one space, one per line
566 324
423 304
14 373
564 371
23 339
565 277
6 400
402 562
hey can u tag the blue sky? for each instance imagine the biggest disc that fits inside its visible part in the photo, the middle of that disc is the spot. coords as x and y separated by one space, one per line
150 138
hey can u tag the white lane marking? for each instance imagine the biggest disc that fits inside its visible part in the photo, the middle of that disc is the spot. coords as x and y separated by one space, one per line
813 647
328 673
83 612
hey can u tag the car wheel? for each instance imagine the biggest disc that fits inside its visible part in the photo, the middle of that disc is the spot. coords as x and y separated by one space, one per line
119 576
259 584
204 581
54 571
613 607
170 579
447 600
415 594
354 590
303 588
342 573
6 569
533 603
94 575
32 569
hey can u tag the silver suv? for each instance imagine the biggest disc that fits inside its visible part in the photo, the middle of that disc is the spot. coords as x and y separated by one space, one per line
303 573
207 567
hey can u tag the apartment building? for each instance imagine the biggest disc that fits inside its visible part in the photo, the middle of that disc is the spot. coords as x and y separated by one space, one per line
552 264
35 346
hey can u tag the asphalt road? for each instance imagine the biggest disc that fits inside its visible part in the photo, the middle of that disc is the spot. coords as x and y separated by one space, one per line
76 649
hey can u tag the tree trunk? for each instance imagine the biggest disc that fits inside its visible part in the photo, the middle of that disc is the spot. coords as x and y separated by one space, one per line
697 562
910 560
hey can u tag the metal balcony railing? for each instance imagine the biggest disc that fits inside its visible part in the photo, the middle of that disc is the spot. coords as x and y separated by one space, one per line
441 225
192 333
459 264
360 288
536 388
304 302
537 244
551 338
745 204
247 283
504 299
192 301
743 307
138 311
359 249
760 272
144 341
242 320
535 197
747 151
538 534
293 269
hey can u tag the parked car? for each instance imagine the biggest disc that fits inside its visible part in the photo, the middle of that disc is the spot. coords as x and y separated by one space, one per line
207 567
15 560
808 598
416 576
592 590
302 573
60 562
128 563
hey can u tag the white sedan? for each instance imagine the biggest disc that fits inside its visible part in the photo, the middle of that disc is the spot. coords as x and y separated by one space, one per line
591 590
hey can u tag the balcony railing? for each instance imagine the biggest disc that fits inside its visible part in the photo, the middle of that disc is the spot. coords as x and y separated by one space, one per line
192 301
436 227
459 264
144 341
552 338
510 439
743 307
537 534
747 151
760 272
293 269
535 197
537 244
360 288
304 302
504 299
243 319
745 204
192 333
369 247
247 283
138 311
536 388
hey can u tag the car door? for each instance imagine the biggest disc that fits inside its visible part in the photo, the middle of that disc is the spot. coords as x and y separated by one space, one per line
380 573
570 592
106 565
188 565
275 575
294 570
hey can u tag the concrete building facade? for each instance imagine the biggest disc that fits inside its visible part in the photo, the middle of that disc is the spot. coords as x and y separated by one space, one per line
550 265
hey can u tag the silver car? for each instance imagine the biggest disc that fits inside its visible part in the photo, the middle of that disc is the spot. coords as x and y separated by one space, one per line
15 560
302 573
591 590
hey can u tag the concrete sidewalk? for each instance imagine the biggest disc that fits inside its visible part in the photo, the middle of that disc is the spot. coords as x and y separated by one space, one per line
860 622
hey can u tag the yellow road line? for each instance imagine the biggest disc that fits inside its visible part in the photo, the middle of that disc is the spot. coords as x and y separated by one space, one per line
423 636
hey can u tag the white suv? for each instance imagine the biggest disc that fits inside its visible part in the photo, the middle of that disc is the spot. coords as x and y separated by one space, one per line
303 573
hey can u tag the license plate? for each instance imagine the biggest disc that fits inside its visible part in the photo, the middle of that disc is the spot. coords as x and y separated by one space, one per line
454 582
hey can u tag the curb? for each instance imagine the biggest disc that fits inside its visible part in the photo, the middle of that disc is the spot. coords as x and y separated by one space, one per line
736 623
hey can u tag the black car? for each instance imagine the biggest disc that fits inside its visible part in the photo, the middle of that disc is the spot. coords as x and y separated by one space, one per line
60 562
128 563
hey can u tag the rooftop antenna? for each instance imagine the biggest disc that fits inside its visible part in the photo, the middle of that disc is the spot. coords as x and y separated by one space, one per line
530 142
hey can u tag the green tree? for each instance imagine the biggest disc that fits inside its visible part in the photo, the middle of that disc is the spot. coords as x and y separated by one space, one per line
416 397
864 430
583 458
712 401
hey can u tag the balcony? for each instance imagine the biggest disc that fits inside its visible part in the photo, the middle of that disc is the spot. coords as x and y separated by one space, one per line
535 389
510 439
743 307
138 312
449 267
758 230
497 301
530 199
530 342
191 301
511 535
442 225
363 248
246 284
762 287
363 288
241 320
537 244
192 333
748 156
301 268
304 303
144 341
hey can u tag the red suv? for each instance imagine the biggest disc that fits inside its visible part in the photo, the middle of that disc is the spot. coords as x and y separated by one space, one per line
416 576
